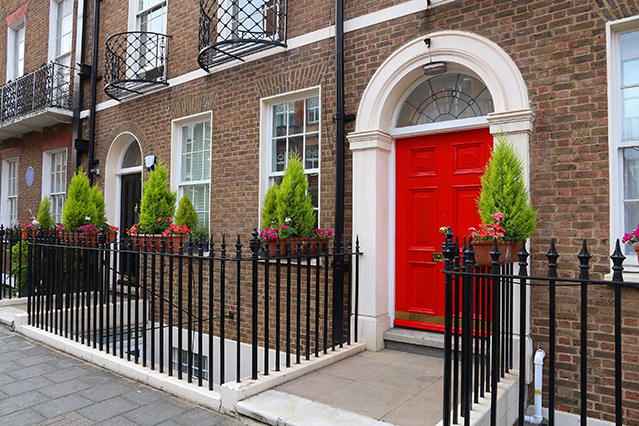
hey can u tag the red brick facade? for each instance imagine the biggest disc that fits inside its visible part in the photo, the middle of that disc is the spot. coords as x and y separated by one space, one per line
558 46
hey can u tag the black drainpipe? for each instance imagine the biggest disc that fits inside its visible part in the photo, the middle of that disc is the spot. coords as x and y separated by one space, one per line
80 144
94 86
339 119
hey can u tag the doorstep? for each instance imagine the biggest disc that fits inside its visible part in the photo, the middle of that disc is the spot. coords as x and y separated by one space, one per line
282 409
415 341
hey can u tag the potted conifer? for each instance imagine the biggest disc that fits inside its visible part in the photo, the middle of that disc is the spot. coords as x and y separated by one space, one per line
156 214
288 212
504 205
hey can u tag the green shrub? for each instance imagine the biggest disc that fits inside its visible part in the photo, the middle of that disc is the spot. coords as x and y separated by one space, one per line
269 211
44 214
186 214
292 200
503 190
98 201
158 201
80 203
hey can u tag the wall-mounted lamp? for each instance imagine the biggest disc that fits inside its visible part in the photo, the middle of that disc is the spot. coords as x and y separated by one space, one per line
149 162
433 68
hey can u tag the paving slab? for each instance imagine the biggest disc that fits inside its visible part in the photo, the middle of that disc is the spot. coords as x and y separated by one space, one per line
42 386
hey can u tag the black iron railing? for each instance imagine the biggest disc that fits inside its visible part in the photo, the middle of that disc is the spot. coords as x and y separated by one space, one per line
208 303
135 62
230 30
48 86
479 331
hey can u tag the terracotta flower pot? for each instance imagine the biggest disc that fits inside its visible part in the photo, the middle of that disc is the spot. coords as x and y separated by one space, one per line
482 250
272 246
176 239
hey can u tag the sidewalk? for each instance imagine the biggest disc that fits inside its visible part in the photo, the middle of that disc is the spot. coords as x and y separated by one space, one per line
39 385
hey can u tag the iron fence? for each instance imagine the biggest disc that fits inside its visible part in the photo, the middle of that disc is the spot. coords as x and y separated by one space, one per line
49 86
209 311
230 30
135 62
479 329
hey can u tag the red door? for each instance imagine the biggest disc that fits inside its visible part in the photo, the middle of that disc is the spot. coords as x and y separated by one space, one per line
438 181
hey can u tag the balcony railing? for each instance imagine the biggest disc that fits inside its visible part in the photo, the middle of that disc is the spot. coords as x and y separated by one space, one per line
135 63
49 86
232 29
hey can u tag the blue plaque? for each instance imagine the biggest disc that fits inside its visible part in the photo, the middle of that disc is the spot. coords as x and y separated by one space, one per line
29 176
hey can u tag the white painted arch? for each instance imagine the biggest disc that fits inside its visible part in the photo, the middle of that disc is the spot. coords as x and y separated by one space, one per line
372 145
113 171
476 54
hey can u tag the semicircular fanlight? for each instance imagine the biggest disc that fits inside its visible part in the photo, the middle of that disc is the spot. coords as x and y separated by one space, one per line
450 96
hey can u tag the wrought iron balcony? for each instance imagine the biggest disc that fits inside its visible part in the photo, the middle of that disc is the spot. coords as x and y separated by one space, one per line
135 63
36 100
232 29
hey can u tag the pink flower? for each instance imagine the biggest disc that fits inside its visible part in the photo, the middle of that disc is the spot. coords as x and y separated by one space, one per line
283 227
329 233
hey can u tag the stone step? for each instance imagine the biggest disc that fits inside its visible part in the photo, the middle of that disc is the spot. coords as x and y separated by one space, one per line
415 341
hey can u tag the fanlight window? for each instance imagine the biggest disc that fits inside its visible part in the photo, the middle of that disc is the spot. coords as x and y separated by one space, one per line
132 157
445 97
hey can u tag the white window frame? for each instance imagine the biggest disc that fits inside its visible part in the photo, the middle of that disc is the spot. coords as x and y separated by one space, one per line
6 167
47 163
12 31
176 155
63 58
617 220
266 131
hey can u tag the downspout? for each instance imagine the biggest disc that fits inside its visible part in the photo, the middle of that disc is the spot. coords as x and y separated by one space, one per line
339 118
94 87
537 418
79 78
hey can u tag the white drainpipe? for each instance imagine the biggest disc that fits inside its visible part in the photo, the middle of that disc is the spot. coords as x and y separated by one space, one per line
539 365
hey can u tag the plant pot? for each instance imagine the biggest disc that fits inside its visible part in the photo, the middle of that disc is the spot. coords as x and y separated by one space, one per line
482 249
272 246
25 234
153 242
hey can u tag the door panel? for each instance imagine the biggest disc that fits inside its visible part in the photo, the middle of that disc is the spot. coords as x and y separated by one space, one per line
438 181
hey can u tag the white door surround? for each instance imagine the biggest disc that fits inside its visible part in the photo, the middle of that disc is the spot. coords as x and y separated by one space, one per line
113 170
374 153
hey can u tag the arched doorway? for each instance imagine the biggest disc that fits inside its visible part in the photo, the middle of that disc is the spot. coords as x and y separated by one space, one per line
123 183
376 139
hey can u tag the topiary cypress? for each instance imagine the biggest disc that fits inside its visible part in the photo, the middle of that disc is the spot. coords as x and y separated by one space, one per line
98 202
79 203
503 190
292 200
158 201
269 211
44 214
186 214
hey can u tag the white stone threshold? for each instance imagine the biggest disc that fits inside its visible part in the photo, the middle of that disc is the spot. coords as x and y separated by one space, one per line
222 398
282 409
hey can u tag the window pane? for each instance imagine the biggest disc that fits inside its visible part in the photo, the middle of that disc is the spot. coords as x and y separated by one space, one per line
629 58
312 114
296 117
296 144
313 182
279 155
630 114
631 173
311 152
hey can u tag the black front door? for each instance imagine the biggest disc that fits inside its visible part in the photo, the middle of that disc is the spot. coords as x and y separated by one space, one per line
129 204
